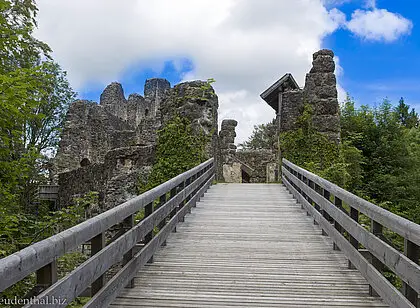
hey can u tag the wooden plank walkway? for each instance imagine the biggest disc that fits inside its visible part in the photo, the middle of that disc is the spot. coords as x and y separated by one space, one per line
248 245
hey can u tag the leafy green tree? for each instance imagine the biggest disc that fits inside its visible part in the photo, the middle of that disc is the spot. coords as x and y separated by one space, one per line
407 118
264 136
34 95
179 148
390 148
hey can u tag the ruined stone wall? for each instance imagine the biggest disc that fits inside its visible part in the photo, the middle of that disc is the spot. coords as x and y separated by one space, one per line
290 109
100 137
197 102
116 179
263 163
90 131
226 171
321 92
260 165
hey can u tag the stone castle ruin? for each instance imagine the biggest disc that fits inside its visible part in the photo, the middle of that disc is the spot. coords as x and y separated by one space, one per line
320 91
287 99
108 147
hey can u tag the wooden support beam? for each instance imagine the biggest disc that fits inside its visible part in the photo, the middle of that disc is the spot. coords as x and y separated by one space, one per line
326 194
148 210
127 224
162 201
412 251
47 275
339 204
354 214
376 229
97 244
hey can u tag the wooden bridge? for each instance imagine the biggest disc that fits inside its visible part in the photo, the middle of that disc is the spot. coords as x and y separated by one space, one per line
299 244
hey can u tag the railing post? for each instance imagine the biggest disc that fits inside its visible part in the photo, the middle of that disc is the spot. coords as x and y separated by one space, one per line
96 245
162 201
312 186
173 213
339 204
127 224
182 186
47 275
354 214
304 181
376 229
299 176
412 251
148 210
326 194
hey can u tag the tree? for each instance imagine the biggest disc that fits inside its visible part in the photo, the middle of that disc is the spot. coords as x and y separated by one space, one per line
408 119
179 148
34 95
390 146
264 136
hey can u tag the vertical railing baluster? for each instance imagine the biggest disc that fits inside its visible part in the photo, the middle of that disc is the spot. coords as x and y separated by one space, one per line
127 224
326 194
311 185
47 275
173 213
339 204
97 244
412 251
376 229
183 186
354 214
148 210
162 223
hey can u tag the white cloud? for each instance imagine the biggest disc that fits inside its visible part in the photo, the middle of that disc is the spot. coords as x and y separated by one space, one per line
379 25
244 45
339 72
370 4
335 2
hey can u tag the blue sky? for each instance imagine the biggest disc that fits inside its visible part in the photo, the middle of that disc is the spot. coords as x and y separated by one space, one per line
374 70
245 45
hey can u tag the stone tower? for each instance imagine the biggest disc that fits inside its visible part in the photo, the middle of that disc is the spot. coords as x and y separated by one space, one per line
320 91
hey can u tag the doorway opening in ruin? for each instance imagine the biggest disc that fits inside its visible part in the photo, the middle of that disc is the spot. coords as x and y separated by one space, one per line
146 112
246 178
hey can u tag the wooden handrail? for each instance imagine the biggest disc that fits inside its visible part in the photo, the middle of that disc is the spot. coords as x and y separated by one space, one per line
398 224
17 266
325 211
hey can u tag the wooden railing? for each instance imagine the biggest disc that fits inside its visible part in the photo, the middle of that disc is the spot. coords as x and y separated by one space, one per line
326 202
164 206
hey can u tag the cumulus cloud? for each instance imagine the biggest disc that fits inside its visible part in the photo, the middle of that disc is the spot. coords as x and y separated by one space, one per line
339 72
244 45
379 25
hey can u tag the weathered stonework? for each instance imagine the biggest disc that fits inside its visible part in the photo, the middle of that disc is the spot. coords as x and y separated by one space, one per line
108 147
115 179
256 166
291 108
226 151
197 102
320 91
261 162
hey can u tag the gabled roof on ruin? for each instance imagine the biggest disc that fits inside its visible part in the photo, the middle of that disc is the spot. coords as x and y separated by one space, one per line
285 83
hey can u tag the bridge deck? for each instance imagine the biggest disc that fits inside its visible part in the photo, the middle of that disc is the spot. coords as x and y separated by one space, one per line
248 245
